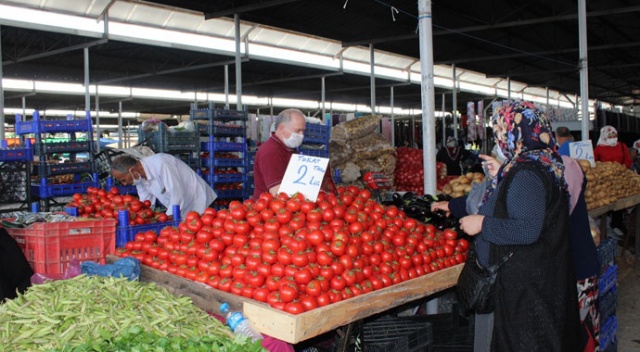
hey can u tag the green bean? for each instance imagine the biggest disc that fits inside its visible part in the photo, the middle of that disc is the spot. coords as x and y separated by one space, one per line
61 315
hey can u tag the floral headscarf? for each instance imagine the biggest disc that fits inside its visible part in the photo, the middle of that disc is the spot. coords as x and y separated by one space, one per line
608 136
524 134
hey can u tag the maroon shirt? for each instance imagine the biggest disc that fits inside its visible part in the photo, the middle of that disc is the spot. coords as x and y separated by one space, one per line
270 165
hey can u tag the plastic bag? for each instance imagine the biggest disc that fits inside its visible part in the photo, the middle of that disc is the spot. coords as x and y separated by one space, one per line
126 267
73 269
474 198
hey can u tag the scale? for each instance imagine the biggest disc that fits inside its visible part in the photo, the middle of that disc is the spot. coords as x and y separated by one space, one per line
376 181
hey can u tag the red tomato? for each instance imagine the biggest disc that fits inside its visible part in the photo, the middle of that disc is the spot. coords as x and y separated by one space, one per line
294 307
288 292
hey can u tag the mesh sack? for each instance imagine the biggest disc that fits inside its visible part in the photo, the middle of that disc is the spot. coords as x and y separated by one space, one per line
371 146
356 128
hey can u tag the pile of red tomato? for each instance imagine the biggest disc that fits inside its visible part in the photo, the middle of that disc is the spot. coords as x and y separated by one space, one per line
99 203
297 255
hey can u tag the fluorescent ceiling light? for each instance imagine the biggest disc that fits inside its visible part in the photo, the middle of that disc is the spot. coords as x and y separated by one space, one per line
11 15
219 42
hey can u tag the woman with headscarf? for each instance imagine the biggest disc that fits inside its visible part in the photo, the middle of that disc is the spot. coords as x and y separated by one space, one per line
609 149
525 214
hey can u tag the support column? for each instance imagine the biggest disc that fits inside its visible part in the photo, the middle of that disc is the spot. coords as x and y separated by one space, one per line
87 95
236 19
584 68
373 79
454 94
2 93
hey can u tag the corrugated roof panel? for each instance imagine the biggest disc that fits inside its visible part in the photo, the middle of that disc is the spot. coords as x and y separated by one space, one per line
91 8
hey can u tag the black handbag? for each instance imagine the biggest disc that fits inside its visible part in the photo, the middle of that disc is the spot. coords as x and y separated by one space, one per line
475 287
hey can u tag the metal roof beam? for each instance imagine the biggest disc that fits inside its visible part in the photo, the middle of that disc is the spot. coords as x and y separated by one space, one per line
247 8
56 52
540 53
170 71
503 25
289 79
538 21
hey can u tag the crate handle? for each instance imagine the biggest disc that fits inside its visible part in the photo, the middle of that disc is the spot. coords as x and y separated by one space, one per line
80 231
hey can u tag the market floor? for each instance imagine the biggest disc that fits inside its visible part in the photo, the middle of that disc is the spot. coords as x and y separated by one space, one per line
628 304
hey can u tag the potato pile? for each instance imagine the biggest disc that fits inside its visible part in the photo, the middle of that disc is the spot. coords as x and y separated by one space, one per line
608 182
460 186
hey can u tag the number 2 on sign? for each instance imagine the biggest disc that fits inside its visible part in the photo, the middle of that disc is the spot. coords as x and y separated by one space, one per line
302 172
579 153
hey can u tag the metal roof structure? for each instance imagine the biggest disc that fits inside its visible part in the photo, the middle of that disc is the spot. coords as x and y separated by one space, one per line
291 46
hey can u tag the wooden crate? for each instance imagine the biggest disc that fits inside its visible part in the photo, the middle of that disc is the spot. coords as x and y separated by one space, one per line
296 328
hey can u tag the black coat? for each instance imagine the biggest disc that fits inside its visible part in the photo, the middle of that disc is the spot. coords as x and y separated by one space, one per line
15 271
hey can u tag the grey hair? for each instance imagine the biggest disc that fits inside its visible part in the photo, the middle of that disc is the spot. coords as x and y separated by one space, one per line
285 116
123 163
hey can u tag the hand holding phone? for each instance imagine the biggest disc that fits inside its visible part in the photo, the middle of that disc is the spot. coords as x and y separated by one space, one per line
490 165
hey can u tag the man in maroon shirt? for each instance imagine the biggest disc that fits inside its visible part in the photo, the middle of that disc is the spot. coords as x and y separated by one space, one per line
273 155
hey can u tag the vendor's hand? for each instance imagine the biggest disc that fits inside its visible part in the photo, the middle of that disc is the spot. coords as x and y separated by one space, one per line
471 224
490 164
444 206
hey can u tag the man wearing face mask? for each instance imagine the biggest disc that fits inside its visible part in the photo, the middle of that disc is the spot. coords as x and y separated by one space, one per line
273 155
165 178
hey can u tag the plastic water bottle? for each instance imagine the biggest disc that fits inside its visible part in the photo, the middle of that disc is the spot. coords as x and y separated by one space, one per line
238 323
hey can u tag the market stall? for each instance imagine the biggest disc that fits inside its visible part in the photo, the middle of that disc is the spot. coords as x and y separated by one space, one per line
296 328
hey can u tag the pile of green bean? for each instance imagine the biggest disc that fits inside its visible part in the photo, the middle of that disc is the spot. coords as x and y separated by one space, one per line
60 315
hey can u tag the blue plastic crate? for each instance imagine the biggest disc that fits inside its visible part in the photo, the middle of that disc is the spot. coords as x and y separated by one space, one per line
230 193
61 190
313 152
165 140
216 146
121 189
317 134
221 130
607 252
36 125
126 232
613 346
65 168
608 331
251 157
608 279
225 178
63 147
608 304
16 154
223 162
212 113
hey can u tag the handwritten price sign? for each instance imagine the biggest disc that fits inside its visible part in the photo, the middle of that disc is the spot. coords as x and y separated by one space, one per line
304 175
582 150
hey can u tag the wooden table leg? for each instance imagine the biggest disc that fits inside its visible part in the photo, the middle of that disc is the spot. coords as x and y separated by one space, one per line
636 222
603 227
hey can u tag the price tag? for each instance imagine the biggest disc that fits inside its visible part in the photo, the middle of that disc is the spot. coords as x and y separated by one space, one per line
582 150
304 175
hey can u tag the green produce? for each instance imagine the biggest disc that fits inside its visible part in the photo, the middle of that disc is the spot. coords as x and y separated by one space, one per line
136 339
87 311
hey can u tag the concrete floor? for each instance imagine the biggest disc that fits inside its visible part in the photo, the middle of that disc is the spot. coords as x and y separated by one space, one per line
628 304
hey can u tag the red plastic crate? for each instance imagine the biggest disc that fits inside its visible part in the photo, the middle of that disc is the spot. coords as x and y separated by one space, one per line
50 246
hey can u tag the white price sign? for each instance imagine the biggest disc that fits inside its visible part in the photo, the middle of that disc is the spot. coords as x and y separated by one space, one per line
582 150
304 175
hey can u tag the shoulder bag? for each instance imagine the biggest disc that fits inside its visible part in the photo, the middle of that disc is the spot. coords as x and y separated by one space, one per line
475 287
